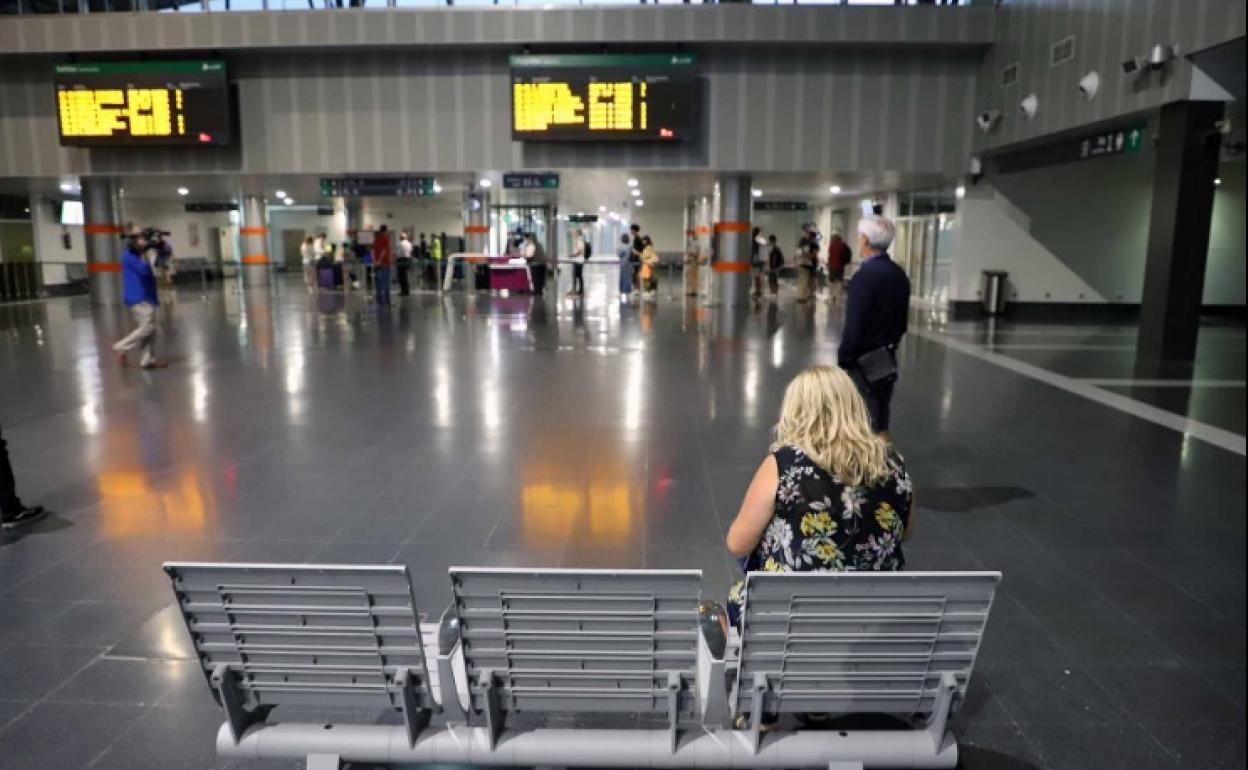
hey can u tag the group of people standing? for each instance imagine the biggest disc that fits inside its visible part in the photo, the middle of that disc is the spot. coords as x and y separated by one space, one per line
767 260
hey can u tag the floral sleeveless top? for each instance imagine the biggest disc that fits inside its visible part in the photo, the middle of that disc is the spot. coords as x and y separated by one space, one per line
821 524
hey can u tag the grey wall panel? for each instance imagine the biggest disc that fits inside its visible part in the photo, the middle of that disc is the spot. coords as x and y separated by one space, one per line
646 25
1107 32
767 109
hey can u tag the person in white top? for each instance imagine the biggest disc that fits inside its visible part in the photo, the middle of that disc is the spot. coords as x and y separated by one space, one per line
578 263
404 264
307 254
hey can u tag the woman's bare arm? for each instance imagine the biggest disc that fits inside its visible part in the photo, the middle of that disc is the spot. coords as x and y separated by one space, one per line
756 510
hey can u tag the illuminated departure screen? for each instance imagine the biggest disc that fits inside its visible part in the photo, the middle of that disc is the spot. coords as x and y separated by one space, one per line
584 97
139 104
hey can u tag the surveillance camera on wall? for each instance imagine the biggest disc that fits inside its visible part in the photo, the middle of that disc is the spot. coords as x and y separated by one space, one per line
1029 105
1089 84
987 119
1160 56
1132 66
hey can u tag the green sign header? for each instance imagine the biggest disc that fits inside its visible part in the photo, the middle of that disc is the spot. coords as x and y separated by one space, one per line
590 61
146 67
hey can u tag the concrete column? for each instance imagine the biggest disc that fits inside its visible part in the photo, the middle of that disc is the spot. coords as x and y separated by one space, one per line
732 242
477 222
1178 235
102 231
254 237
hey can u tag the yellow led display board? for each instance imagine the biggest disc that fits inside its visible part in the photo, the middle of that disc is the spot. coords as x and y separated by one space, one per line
144 103
595 98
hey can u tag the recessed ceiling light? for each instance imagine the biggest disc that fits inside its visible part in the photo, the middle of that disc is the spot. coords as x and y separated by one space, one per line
639 203
602 209
183 191
289 201
1217 180
66 187
634 192
835 189
633 183
757 193
484 182
280 195
959 191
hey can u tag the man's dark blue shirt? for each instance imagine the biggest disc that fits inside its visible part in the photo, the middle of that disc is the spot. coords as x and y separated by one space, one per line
875 315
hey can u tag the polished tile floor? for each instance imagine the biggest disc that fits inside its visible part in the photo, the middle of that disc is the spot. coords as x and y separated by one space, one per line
494 430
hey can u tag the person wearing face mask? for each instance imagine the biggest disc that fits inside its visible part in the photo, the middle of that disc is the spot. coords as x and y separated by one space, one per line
875 320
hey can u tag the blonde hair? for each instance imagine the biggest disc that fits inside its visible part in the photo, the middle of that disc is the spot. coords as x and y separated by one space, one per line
824 416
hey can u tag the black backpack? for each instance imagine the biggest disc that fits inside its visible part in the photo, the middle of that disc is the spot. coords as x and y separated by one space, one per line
589 249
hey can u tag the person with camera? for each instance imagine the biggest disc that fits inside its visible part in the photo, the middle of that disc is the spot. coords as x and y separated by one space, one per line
875 320
138 282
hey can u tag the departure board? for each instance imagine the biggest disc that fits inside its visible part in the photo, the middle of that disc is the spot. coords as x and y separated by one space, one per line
589 97
138 104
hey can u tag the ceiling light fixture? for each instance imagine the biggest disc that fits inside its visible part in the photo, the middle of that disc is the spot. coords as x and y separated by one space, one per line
960 191
835 189
484 182
183 191
289 201
280 195
639 203
67 187
757 193
633 183
602 209
634 192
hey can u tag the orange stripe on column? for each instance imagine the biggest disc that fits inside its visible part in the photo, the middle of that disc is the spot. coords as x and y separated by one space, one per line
476 229
102 229
255 259
732 267
732 227
103 267
703 229
252 230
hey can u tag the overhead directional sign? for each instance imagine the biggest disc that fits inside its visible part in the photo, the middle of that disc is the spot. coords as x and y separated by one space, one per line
379 186
780 205
1098 144
1112 142
546 181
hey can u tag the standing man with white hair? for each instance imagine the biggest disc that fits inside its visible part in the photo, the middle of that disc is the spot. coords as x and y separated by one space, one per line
875 319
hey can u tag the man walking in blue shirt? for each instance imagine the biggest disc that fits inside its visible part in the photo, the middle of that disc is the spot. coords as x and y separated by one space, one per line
139 292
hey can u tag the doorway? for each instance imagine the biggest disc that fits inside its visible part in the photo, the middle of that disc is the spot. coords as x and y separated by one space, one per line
505 221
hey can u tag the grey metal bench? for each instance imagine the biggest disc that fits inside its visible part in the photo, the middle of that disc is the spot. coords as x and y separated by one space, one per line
576 643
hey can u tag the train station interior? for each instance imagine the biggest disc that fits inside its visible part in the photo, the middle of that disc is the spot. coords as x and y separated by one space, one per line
386 384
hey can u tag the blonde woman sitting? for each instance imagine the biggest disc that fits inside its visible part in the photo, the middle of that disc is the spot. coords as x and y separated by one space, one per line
832 496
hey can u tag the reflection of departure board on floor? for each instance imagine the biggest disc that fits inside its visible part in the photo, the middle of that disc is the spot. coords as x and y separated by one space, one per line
143 103
604 98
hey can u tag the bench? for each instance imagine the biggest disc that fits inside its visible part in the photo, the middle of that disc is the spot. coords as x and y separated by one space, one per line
634 659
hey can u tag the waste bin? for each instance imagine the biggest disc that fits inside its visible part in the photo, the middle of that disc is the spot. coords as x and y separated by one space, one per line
994 291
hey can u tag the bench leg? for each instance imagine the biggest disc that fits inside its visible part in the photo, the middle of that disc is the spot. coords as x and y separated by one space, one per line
324 762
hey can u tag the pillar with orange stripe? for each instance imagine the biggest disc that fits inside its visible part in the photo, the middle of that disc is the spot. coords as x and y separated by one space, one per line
102 232
253 235
732 242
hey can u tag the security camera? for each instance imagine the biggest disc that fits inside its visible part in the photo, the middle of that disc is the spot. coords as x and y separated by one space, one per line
1089 84
1132 66
1029 105
1160 56
987 119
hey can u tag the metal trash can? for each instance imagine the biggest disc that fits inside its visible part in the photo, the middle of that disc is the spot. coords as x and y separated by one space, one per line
994 291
